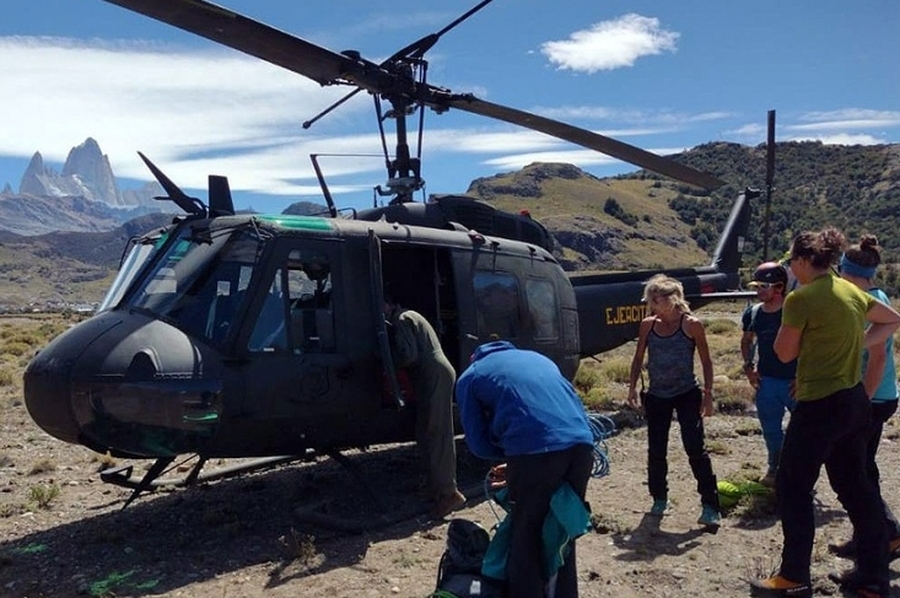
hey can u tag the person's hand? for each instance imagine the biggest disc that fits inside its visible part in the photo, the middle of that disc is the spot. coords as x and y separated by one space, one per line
633 401
706 404
497 476
752 378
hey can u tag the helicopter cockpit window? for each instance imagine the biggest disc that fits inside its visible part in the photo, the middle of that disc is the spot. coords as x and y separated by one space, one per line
542 308
309 294
303 285
199 282
497 303
138 255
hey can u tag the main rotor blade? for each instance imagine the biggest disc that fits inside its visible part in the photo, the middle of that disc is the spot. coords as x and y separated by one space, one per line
611 147
236 31
326 67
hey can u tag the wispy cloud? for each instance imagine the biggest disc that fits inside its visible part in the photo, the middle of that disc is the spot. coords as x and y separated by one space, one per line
858 117
173 104
841 139
609 45
846 126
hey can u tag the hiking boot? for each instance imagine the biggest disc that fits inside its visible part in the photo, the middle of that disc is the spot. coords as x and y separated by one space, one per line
447 504
780 586
710 517
851 581
847 550
660 506
894 549
768 480
844 550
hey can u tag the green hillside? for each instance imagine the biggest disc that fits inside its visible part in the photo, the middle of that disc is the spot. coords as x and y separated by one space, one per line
600 224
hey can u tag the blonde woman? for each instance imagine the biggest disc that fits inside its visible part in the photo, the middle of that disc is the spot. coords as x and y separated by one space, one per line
671 336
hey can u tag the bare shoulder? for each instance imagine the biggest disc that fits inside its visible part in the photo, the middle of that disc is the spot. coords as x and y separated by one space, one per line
693 325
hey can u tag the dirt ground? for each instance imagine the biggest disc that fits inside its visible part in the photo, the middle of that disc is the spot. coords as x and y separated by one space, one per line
320 529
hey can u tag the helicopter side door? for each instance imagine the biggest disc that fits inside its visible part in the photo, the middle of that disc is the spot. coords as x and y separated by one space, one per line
297 373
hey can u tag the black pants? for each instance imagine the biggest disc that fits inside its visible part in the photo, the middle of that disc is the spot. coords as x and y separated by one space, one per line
881 412
658 412
532 480
831 431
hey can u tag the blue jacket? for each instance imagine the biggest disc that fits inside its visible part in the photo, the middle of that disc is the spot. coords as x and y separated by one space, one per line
516 402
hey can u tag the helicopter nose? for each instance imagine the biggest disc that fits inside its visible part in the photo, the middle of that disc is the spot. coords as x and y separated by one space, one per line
48 378
126 383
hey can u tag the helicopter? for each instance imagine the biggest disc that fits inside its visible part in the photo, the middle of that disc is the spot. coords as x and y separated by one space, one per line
229 335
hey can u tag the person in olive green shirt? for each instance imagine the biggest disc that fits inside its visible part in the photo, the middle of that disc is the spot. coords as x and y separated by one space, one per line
823 326
415 346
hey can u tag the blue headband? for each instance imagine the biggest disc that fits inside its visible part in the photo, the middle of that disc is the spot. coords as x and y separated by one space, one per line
854 269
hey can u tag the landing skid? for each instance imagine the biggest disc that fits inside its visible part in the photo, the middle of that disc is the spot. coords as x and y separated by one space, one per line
124 475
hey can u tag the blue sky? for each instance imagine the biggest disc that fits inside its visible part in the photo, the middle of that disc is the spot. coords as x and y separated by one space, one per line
664 76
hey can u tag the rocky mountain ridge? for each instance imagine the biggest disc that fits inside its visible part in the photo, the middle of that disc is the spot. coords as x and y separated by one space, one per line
85 196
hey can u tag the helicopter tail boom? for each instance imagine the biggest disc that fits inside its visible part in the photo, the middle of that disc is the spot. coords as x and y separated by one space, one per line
620 293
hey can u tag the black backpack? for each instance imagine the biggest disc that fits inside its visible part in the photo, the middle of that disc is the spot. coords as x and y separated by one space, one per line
459 572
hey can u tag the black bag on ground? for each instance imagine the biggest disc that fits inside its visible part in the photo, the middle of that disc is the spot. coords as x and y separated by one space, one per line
459 573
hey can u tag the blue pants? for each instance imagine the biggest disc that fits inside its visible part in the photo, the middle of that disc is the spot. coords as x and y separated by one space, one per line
773 397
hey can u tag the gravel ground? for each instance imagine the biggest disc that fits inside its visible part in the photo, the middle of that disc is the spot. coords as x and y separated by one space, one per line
319 529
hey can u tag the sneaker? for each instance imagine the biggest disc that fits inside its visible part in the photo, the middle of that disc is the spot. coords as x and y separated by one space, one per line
447 504
780 586
660 506
709 517
844 550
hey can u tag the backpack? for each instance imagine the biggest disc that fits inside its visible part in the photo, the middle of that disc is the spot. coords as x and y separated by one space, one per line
459 572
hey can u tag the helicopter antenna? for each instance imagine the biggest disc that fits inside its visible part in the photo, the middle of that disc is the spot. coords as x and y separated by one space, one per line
770 175
191 205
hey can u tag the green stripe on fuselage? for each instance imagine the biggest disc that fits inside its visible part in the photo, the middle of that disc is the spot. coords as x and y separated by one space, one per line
303 222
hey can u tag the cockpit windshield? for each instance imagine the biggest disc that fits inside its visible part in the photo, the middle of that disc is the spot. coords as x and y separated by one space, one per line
200 280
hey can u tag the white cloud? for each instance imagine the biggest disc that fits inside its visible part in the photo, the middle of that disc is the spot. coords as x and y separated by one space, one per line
842 139
856 117
610 45
179 107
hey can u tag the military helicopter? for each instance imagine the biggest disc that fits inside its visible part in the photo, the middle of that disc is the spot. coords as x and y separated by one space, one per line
231 335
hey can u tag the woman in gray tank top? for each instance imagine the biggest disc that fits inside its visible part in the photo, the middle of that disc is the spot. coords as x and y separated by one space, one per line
670 336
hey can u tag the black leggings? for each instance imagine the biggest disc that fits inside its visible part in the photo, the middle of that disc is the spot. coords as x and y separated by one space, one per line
658 412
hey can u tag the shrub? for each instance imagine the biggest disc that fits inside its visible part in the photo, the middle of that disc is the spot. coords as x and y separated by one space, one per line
42 495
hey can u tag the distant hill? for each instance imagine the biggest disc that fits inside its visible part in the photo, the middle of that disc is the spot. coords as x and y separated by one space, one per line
639 220
855 188
599 224
64 267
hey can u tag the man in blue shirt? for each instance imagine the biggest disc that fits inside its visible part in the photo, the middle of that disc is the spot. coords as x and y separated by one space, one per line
516 406
771 378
